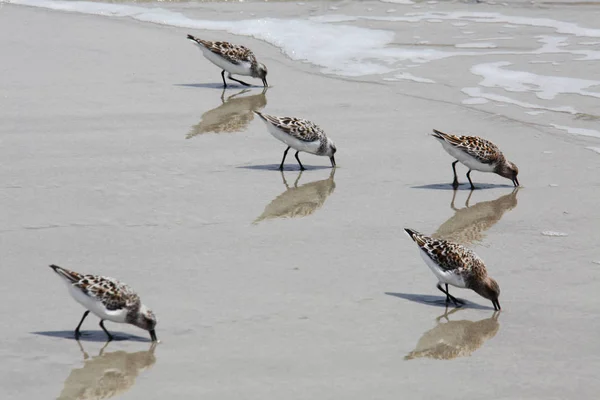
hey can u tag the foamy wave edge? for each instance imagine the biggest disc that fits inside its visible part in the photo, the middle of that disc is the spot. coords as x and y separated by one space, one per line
338 49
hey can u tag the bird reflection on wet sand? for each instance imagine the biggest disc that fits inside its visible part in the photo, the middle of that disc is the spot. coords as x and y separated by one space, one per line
453 339
468 224
299 201
107 374
233 115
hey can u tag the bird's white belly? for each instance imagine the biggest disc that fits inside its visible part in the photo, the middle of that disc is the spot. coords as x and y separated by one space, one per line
450 278
309 147
242 68
466 159
96 307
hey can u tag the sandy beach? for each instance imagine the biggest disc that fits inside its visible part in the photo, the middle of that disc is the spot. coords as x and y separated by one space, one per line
123 156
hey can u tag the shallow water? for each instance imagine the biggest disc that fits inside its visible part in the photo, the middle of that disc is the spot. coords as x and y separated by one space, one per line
528 62
123 156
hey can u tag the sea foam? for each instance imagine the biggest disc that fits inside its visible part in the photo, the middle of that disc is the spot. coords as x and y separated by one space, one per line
337 49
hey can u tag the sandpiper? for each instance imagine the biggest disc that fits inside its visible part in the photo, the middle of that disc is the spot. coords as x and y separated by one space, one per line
108 299
301 135
234 59
476 154
456 265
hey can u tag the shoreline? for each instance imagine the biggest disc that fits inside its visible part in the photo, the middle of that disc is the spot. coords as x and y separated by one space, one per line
100 178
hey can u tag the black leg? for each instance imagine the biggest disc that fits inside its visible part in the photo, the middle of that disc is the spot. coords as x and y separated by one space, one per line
223 76
469 178
301 166
77 334
284 156
105 331
237 80
445 292
455 182
456 302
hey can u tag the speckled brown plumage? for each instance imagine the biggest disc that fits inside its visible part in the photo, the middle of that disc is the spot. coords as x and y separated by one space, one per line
301 129
476 154
453 264
108 299
233 53
483 150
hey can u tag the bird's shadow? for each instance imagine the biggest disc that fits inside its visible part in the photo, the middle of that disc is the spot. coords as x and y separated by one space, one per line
436 301
464 186
92 336
275 167
216 85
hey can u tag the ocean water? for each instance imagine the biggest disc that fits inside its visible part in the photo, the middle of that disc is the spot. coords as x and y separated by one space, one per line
534 62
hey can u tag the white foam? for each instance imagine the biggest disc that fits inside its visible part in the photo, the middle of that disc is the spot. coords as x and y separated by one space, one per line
556 44
554 234
476 45
477 92
496 18
338 49
578 131
409 77
545 87
534 112
325 42
495 38
398 1
475 100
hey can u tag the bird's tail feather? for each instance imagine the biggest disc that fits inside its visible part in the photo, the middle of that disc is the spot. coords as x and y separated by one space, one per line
416 236
69 276
198 40
440 135
265 117
451 139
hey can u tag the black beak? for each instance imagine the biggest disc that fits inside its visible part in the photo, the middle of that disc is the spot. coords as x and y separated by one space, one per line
332 158
516 182
153 336
496 304
265 82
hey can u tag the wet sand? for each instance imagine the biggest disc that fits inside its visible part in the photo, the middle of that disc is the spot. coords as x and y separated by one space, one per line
108 169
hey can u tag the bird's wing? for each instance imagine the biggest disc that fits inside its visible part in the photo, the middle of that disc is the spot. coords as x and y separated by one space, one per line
449 256
299 128
482 150
233 53
112 293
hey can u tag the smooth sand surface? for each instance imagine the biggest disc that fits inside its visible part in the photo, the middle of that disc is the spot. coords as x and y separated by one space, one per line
266 290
